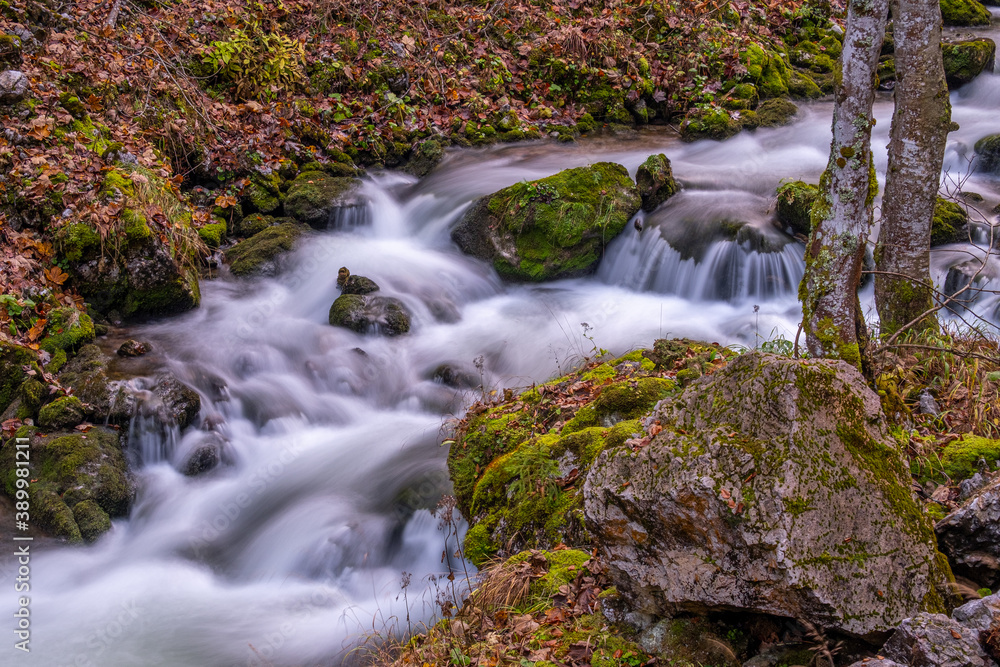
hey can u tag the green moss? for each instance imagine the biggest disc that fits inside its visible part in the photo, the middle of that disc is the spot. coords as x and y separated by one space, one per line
263 194
964 61
13 359
767 70
621 401
78 241
478 546
259 252
950 223
964 13
117 184
213 234
813 57
776 112
61 413
961 459
33 394
67 329
91 520
709 123
988 151
73 105
795 201
136 227
564 566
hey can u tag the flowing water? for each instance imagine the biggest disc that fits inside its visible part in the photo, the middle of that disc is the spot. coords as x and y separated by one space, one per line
295 548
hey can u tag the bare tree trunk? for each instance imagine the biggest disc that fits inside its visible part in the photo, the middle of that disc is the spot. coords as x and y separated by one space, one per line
916 150
842 218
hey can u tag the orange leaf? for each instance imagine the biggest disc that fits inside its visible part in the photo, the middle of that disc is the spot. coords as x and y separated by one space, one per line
56 276
725 494
36 331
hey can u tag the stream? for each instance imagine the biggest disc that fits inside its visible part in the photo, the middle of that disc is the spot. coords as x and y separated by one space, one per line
295 549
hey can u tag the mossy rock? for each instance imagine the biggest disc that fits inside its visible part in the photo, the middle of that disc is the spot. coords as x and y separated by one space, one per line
950 223
555 227
91 520
33 395
68 329
425 156
316 198
767 70
262 194
655 180
13 359
69 470
62 413
356 284
776 112
213 234
256 223
886 71
741 97
988 151
964 61
962 459
370 314
619 402
802 86
10 52
795 202
709 123
813 57
260 254
73 105
964 13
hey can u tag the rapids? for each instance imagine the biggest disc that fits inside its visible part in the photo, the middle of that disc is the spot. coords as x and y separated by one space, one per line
294 550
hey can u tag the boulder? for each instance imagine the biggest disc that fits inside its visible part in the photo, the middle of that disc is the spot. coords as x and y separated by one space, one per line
739 504
133 348
426 155
105 400
964 61
555 227
13 359
988 151
950 223
205 457
359 285
655 180
10 51
964 13
260 254
323 201
711 123
775 113
795 201
370 313
979 615
178 404
934 640
970 537
262 195
13 87
69 470
61 413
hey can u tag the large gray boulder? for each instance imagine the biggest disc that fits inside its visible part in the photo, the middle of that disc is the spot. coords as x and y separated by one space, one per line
323 201
934 640
970 537
772 488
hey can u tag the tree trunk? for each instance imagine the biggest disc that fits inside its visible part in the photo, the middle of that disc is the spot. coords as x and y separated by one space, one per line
916 150
842 217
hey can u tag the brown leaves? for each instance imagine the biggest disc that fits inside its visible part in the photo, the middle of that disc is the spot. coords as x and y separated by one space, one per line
56 275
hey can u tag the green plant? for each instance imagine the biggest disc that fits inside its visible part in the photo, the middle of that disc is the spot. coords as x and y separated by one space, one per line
257 63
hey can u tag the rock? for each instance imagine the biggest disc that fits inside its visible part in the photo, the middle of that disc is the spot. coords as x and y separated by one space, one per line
13 87
10 51
213 234
261 253
69 470
322 201
205 457
979 615
13 359
794 208
133 348
683 642
358 285
964 13
256 223
970 537
950 223
775 113
815 57
426 155
178 403
964 61
968 487
712 123
934 640
927 405
738 504
105 400
61 413
802 86
70 329
767 70
262 195
370 314
877 662
655 180
555 227
988 151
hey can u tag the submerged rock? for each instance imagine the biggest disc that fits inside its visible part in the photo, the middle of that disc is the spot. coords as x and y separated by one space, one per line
964 61
555 227
133 348
950 223
261 253
738 504
655 180
360 285
178 404
795 201
366 313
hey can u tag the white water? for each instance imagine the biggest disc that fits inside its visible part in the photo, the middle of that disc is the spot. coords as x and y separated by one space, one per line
294 549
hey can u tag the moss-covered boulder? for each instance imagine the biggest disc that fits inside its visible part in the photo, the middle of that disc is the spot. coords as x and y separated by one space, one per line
738 501
68 329
655 180
776 112
261 253
356 284
61 413
518 467
213 234
964 13
105 400
803 86
988 153
767 70
70 470
555 227
370 313
262 195
10 51
709 123
963 458
814 57
256 223
426 155
950 223
13 359
795 201
964 61
323 201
